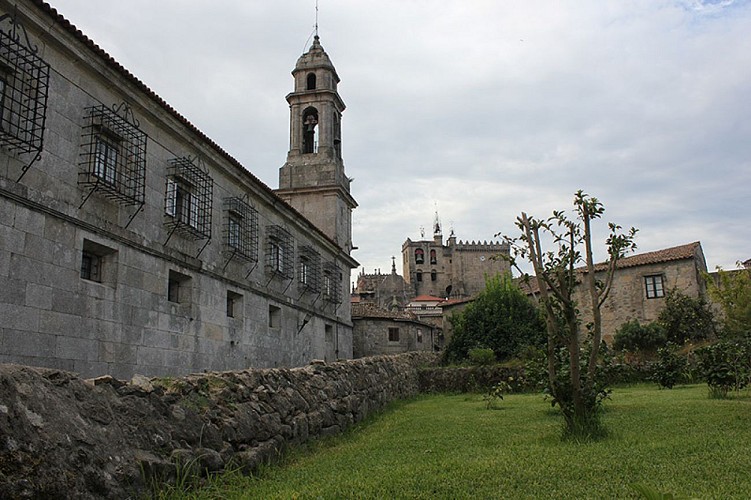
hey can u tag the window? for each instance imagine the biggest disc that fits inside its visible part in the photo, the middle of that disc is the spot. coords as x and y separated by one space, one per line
419 256
332 283
311 81
178 288
113 155
98 262
433 275
234 304
90 267
309 124
328 333
275 316
433 259
419 336
309 269
393 335
279 252
24 81
187 199
241 229
654 286
418 275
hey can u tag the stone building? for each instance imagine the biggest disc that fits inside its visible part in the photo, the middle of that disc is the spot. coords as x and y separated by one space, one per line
453 270
131 242
640 284
386 291
378 331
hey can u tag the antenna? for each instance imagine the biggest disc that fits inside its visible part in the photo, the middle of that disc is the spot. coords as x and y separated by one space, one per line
316 18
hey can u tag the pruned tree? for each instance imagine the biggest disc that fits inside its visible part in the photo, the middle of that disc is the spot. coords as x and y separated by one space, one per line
573 385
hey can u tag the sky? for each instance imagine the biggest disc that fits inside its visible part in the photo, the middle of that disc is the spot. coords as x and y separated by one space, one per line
475 109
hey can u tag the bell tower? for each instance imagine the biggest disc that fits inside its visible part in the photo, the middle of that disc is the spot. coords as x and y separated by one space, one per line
313 180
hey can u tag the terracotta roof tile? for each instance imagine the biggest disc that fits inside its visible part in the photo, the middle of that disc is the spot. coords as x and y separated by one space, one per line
369 310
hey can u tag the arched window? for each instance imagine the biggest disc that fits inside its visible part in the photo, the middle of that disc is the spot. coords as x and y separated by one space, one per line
311 81
433 275
309 124
418 275
433 259
419 256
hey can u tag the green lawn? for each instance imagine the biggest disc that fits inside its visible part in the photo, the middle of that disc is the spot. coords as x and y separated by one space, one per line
676 441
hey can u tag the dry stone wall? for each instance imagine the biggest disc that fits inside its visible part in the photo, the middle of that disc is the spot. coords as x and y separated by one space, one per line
65 437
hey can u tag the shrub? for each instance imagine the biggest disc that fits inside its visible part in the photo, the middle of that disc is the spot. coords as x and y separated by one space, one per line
634 337
732 291
501 318
686 319
726 366
670 367
493 397
481 356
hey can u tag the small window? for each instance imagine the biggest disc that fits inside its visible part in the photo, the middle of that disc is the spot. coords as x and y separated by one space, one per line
654 286
105 159
178 288
433 275
311 81
329 334
419 336
418 275
98 263
234 304
275 316
90 267
419 256
433 259
393 335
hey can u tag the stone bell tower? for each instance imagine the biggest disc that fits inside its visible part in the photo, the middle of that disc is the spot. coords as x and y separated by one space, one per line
313 179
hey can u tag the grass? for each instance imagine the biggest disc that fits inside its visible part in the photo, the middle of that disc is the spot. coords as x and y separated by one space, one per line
451 446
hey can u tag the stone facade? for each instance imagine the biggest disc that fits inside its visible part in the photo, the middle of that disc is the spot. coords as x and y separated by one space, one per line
454 270
377 331
130 242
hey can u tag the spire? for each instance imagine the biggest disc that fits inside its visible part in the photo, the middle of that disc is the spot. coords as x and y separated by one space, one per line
436 224
393 265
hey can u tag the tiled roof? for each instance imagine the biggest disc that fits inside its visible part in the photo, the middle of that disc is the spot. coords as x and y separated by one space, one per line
112 63
427 298
453 302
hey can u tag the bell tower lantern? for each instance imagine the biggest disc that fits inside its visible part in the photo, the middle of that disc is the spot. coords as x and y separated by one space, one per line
313 180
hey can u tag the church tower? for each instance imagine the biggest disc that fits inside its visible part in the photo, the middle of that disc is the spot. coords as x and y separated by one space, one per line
313 180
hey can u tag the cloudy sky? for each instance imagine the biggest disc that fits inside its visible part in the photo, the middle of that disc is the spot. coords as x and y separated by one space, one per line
479 108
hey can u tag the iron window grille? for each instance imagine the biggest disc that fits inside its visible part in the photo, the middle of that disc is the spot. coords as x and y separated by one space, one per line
113 154
279 253
24 81
241 229
187 199
332 278
309 273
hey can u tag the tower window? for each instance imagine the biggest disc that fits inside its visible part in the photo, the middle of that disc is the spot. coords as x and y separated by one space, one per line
433 259
309 124
311 81
419 256
418 275
433 275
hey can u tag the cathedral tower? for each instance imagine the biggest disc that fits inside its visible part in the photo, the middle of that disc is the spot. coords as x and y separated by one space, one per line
313 180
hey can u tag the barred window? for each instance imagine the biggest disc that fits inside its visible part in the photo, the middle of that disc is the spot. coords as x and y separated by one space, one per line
113 154
24 81
309 269
332 279
187 200
279 252
241 229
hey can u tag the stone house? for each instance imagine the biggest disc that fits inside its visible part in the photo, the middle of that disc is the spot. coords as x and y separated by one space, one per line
378 331
131 242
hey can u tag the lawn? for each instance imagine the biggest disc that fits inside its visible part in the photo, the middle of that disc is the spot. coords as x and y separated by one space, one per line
452 446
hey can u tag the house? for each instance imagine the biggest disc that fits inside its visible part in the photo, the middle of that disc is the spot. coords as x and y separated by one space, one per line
378 331
130 242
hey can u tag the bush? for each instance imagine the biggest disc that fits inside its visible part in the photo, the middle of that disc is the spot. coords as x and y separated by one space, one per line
501 318
634 337
670 367
732 291
726 366
686 319
481 356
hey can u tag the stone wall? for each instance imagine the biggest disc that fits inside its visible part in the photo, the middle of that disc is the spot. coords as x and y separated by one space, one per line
65 437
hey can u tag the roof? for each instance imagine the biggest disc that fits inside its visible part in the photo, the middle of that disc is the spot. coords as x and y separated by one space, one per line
426 298
119 68
368 310
672 254
454 302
